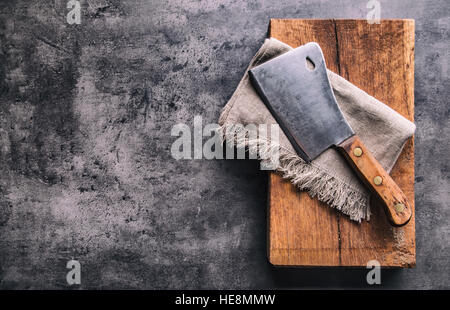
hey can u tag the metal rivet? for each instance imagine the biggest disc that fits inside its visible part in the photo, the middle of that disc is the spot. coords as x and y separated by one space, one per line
377 180
357 151
399 207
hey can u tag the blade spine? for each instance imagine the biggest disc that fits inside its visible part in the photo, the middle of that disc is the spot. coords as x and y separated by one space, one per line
332 92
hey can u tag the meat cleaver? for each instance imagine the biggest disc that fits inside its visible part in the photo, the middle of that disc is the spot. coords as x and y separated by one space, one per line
296 90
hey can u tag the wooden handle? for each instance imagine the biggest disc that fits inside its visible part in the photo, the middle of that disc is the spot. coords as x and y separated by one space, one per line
378 180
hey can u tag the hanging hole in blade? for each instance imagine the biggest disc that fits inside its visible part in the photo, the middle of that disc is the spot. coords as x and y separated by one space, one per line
310 64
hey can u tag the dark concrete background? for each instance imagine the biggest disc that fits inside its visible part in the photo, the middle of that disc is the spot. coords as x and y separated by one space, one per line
86 172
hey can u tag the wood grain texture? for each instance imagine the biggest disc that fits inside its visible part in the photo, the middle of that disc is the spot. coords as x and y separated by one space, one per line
379 59
370 171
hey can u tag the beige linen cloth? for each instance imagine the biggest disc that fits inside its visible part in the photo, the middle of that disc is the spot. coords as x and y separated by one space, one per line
328 177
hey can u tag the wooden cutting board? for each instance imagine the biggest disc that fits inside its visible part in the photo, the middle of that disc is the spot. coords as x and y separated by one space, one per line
378 58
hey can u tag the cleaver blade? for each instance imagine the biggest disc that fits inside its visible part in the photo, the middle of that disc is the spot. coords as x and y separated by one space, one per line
295 88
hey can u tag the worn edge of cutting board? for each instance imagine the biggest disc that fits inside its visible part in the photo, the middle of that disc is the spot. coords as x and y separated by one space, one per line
304 232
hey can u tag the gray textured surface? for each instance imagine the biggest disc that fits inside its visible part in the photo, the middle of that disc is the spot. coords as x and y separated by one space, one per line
86 173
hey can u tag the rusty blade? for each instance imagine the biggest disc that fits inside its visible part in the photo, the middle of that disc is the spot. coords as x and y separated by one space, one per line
296 89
